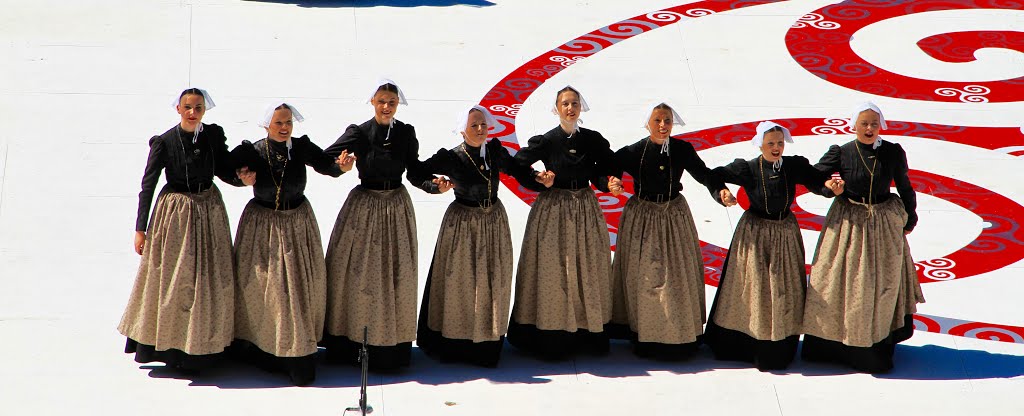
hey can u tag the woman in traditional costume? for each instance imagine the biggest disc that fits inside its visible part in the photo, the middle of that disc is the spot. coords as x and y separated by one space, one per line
181 308
371 258
281 288
863 287
563 283
759 304
465 308
658 273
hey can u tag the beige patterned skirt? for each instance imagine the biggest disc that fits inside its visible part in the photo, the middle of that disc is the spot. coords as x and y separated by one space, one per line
183 296
762 291
564 279
281 291
658 272
371 268
471 274
863 281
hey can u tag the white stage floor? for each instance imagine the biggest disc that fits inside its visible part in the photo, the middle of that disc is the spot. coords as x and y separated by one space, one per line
84 84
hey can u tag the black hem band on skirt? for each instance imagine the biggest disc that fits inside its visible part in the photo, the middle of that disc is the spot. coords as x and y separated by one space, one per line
874 359
730 345
653 350
342 350
450 350
301 370
173 358
619 331
447 350
555 344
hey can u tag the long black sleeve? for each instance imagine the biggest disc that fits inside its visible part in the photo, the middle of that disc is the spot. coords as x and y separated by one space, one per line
830 162
224 165
604 164
526 157
737 172
154 166
415 171
317 159
900 175
700 171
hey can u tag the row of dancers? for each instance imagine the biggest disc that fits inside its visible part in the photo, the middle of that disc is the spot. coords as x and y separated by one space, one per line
272 298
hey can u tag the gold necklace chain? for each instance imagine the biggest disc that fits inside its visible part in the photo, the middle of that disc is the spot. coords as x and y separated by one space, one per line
764 188
871 172
278 185
487 202
640 171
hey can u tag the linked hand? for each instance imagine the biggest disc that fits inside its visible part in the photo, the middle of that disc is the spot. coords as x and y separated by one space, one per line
346 160
443 184
247 176
615 186
836 185
727 197
546 178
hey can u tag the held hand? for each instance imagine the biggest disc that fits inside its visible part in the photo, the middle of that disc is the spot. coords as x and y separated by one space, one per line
247 176
727 197
346 160
443 184
140 241
615 186
546 178
836 185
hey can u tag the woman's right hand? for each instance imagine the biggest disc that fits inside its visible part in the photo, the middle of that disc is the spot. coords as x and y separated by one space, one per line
140 241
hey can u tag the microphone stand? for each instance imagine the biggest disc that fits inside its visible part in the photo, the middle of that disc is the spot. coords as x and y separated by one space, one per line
364 361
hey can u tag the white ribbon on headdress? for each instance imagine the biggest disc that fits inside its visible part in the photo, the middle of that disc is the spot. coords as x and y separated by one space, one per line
676 119
860 108
583 108
401 100
268 116
207 101
763 128
461 125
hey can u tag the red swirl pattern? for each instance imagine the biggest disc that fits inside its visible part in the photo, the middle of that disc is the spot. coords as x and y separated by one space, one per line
959 47
825 51
1000 244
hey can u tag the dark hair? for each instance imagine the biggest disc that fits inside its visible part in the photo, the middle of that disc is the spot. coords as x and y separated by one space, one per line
389 87
662 106
192 91
776 128
284 107
566 89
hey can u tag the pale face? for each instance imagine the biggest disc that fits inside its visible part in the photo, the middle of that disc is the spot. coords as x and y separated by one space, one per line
280 129
660 125
773 145
569 107
385 105
191 107
476 129
867 126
